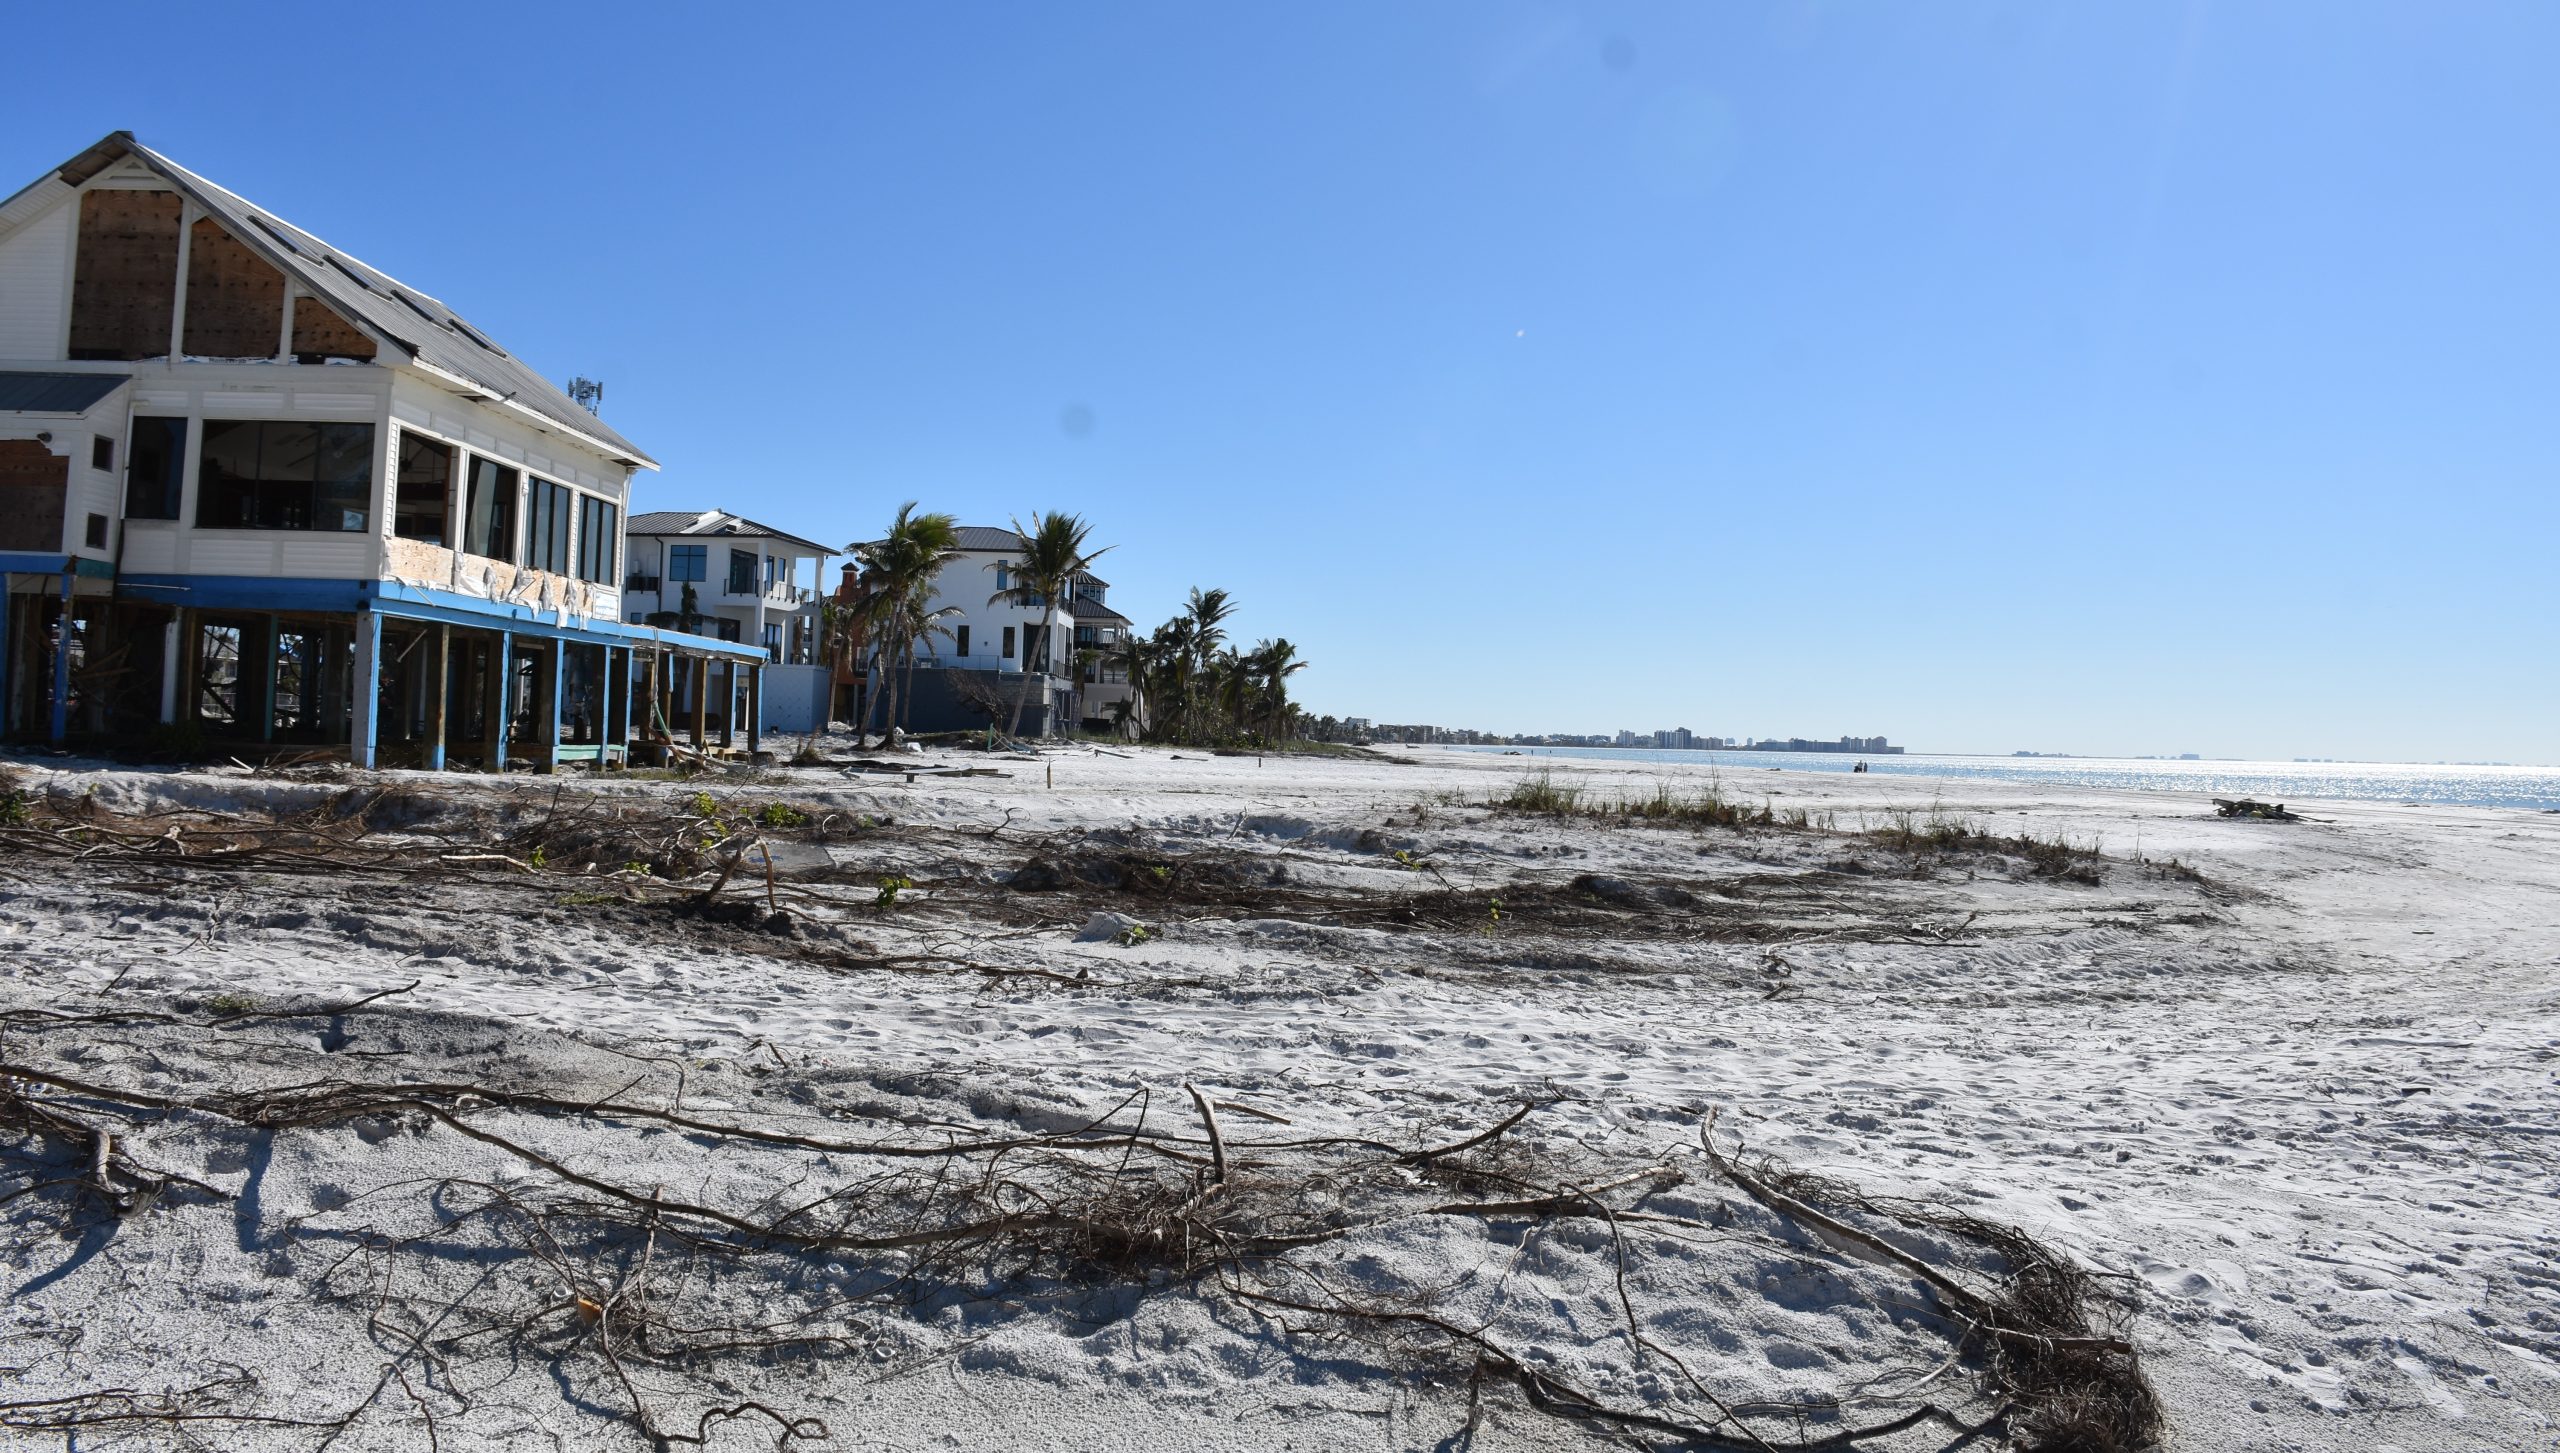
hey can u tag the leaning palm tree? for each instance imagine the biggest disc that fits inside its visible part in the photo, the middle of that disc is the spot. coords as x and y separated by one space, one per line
898 573
1053 555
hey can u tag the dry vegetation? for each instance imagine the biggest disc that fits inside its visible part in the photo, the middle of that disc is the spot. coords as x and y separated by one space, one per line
607 1281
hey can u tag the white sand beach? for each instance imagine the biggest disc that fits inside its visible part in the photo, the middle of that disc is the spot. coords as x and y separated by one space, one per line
2295 1100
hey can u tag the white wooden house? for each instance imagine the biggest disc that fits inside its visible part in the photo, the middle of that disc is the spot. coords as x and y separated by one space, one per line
254 490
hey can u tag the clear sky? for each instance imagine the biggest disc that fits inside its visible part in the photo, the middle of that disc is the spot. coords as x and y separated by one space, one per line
2134 377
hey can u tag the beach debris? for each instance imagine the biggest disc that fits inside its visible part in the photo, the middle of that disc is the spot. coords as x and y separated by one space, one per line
1108 927
2249 807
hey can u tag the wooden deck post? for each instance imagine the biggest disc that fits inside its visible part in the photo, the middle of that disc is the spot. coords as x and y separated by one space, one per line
559 673
172 637
439 692
8 656
364 721
59 722
502 703
268 656
701 674
755 708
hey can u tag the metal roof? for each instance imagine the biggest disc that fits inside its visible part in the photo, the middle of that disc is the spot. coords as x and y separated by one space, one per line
712 523
1094 610
982 537
56 393
434 338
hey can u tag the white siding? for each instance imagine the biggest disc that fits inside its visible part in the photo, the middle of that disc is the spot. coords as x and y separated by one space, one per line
230 555
150 548
325 557
35 288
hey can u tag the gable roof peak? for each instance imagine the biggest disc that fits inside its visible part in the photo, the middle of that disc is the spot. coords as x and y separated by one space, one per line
422 332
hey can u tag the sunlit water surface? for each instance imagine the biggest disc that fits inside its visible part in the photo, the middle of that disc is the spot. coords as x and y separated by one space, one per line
2410 782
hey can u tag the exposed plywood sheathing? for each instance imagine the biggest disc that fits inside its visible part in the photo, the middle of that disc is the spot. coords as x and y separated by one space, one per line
33 483
235 298
124 287
320 333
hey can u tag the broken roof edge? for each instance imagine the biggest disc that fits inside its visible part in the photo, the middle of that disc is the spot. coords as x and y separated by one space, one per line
622 454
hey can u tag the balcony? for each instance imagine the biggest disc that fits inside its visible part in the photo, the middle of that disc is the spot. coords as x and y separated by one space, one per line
639 582
786 596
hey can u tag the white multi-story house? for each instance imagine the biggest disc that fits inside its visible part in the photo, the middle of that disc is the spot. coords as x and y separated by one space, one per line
969 672
746 578
1102 683
256 491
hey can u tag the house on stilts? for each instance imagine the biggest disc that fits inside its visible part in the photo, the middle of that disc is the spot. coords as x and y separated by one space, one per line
256 494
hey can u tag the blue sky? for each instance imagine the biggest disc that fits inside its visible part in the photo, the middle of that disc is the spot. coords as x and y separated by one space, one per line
2094 377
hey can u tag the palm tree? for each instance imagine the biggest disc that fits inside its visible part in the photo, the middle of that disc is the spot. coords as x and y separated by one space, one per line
1175 661
1053 555
1197 633
1276 661
898 572
1231 686
1136 657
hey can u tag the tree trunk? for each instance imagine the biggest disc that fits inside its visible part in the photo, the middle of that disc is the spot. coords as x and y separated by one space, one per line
1022 697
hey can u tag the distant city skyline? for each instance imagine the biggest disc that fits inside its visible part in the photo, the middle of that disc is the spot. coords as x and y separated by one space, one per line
2114 376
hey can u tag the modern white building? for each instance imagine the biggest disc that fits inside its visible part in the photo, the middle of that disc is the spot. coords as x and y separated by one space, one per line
255 491
968 674
751 582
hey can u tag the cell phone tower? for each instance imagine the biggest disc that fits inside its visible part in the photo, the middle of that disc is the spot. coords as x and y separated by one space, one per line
587 393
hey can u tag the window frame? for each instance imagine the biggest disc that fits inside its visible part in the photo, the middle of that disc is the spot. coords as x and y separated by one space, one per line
501 519
454 455
599 533
548 520
698 554
270 499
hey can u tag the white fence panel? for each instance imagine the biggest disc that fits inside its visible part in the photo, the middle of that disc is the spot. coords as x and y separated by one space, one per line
795 698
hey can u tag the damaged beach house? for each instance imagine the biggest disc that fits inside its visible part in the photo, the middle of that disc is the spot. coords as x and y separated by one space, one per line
257 495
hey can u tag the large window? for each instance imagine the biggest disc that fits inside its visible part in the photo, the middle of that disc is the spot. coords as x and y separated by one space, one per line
685 562
742 572
424 495
599 539
546 527
155 469
489 516
278 475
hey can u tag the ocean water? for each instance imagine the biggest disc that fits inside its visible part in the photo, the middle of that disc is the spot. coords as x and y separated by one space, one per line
2410 782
